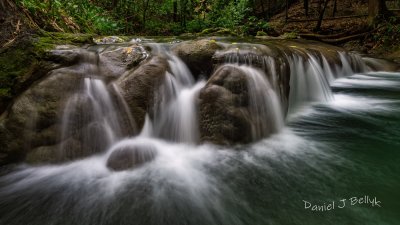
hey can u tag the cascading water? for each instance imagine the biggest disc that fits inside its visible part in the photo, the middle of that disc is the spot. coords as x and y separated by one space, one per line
179 120
308 82
165 175
90 122
176 110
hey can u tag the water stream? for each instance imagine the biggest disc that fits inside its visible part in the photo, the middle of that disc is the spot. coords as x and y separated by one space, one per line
339 139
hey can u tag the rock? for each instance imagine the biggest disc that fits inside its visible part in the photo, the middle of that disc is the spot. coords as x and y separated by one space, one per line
114 61
261 33
65 55
131 156
197 55
223 106
42 154
381 64
291 35
217 31
108 40
138 87
32 120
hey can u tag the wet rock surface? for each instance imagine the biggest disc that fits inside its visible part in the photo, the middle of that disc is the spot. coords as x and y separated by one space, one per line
138 86
30 128
129 157
197 55
33 120
224 118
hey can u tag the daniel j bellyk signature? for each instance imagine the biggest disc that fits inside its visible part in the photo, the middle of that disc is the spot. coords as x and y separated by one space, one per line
342 203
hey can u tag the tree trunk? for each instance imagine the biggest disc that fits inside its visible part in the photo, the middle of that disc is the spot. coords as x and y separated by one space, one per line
321 16
377 9
320 6
334 8
145 7
50 10
306 7
175 6
286 11
262 7
183 12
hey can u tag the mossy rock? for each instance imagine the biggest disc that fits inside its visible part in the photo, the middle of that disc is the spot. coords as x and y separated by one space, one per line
138 87
110 40
291 35
217 31
261 33
197 55
28 60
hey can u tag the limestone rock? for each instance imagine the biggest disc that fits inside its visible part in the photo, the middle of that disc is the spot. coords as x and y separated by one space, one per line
197 55
223 106
138 87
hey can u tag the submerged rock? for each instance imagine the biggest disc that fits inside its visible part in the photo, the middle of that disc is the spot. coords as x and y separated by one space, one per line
131 156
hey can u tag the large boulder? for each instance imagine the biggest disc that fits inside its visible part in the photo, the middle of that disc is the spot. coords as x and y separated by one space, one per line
33 120
31 128
115 60
110 61
223 105
271 58
138 87
197 55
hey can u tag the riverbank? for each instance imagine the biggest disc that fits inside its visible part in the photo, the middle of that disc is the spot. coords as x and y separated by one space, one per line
345 25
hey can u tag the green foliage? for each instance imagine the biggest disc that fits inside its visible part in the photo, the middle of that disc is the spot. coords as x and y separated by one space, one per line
149 17
291 35
22 64
388 34
261 33
71 16
196 25
253 25
393 26
230 15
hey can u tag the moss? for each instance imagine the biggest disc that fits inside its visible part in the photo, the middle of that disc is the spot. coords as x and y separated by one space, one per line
209 31
291 35
48 40
217 31
24 62
67 38
15 66
261 33
111 39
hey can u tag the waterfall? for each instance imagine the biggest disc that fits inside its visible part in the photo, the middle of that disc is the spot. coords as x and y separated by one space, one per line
308 82
93 118
280 81
175 114
90 118
265 107
208 149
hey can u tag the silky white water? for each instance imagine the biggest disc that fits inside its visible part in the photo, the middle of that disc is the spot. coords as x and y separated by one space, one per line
343 142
